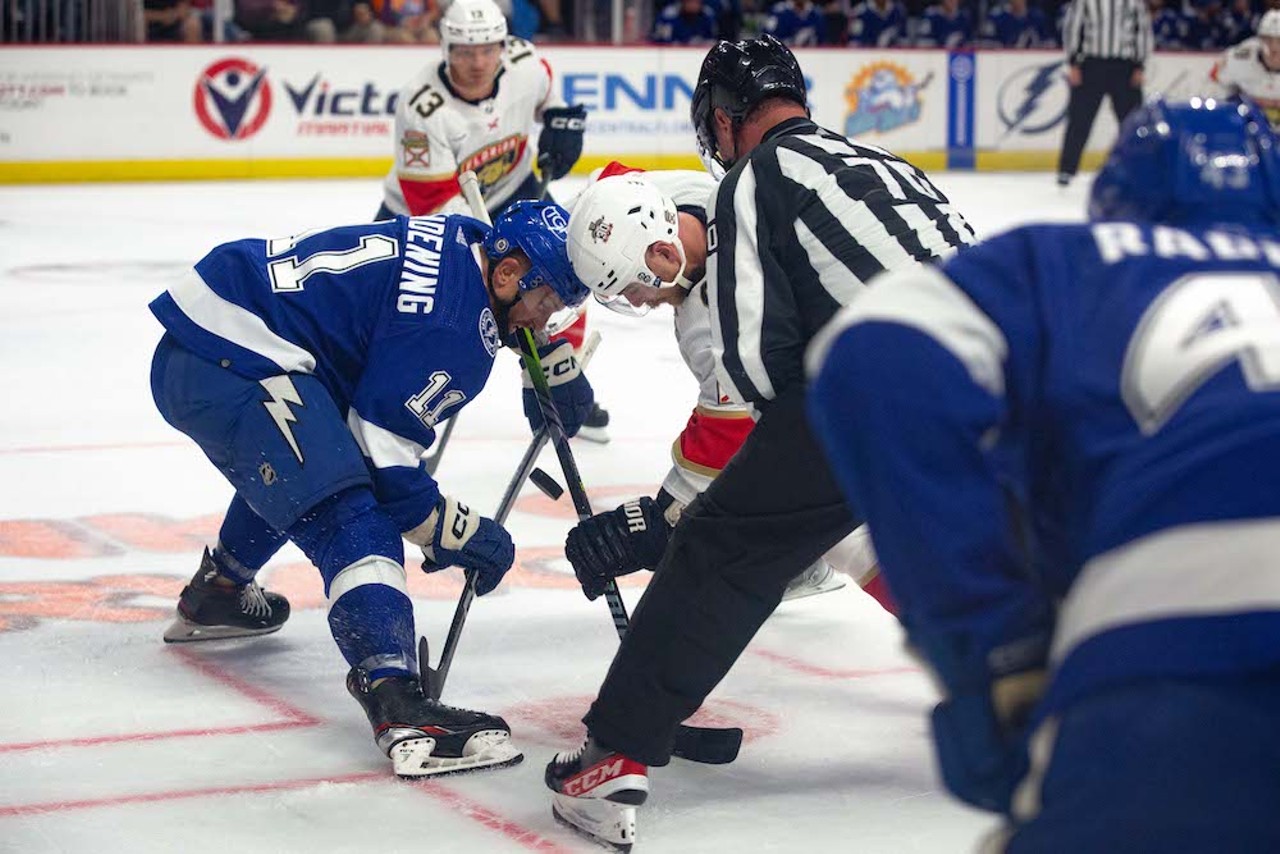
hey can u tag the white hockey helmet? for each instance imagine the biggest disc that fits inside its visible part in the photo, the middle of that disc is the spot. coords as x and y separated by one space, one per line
471 22
1269 25
612 226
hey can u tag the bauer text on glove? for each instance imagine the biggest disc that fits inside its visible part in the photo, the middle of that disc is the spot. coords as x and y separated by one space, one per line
619 542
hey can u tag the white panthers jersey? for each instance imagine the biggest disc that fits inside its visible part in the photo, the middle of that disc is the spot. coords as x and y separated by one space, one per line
1241 69
439 135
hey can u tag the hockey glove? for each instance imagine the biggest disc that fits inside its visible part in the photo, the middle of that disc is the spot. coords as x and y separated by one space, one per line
618 542
570 391
464 538
560 144
981 729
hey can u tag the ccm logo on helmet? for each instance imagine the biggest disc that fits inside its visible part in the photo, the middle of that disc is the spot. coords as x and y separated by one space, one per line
553 219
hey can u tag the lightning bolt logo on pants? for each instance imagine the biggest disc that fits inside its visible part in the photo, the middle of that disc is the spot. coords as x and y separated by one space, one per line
283 393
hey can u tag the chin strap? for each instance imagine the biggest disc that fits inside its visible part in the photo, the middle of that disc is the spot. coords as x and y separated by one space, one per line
680 280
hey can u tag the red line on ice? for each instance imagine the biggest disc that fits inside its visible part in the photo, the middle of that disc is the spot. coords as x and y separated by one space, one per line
829 672
152 797
477 812
293 716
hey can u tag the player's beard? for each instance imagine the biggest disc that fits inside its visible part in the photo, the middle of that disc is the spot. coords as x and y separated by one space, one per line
501 310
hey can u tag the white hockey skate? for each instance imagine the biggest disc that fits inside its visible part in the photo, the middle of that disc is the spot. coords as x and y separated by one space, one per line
596 792
818 578
424 737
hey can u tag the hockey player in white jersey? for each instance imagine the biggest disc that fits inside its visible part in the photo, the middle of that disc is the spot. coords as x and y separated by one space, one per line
1252 67
476 110
639 240
312 371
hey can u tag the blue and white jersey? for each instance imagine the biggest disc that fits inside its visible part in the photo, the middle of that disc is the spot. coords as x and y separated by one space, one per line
940 29
793 25
1005 29
1170 29
393 318
871 25
674 27
1076 428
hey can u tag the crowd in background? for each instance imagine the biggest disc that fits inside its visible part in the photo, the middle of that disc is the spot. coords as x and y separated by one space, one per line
1198 25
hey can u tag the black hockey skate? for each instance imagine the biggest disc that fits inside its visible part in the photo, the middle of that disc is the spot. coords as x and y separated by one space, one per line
596 792
596 426
211 611
424 737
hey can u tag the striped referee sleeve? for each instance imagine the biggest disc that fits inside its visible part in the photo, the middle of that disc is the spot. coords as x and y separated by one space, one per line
736 295
1107 29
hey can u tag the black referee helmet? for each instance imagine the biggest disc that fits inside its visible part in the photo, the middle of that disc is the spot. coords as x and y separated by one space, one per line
736 76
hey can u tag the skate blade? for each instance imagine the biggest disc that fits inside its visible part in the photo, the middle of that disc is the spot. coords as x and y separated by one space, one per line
604 822
828 586
599 435
412 757
183 630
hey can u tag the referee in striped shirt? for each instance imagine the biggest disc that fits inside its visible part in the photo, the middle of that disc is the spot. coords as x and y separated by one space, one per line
1107 44
801 221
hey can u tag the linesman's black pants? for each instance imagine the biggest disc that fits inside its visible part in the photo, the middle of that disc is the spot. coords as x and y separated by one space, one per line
773 511
1098 77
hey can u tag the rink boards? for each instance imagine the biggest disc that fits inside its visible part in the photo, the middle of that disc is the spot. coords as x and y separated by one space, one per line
239 111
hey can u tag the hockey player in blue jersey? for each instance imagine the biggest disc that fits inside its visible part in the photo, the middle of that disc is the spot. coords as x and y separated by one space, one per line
1066 442
311 370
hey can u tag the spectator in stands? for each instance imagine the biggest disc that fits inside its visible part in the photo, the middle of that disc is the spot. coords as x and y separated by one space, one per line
685 22
1016 25
945 25
171 21
835 22
878 23
365 27
273 20
796 23
328 18
408 21
1169 25
1238 21
1205 28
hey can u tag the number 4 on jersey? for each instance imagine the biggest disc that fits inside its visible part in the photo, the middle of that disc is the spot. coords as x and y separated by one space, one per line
1197 326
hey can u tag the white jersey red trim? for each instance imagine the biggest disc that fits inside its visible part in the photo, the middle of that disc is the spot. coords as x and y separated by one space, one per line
438 135
1241 70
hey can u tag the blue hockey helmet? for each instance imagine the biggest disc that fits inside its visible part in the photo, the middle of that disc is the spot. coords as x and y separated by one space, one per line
1200 160
539 230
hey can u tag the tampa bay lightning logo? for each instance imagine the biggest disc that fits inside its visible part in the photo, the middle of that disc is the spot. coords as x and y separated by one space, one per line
489 332
233 99
553 219
1033 100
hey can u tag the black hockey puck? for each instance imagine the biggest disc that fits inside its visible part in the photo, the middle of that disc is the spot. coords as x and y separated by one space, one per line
547 484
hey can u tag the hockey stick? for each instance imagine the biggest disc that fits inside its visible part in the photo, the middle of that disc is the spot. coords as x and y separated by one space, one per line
433 678
708 745
544 180
712 746
433 461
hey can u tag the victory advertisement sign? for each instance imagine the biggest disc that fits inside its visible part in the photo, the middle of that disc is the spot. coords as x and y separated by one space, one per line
233 99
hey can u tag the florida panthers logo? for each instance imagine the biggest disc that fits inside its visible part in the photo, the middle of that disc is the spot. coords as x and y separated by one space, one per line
600 230
233 99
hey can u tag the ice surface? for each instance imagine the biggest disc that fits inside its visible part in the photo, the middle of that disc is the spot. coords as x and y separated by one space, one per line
112 741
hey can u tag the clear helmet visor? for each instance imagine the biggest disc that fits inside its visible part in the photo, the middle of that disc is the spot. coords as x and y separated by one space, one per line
635 300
